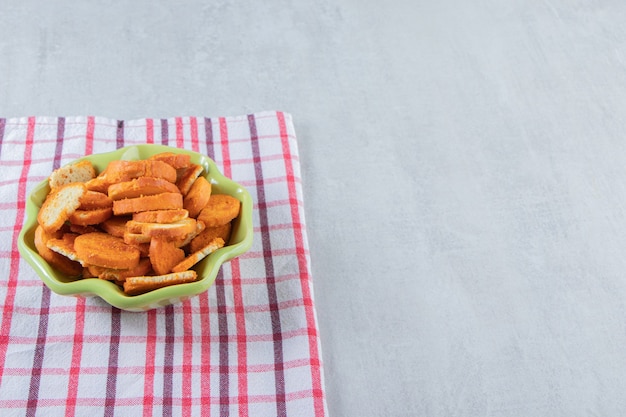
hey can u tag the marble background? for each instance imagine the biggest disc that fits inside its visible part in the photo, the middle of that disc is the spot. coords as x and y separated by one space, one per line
464 170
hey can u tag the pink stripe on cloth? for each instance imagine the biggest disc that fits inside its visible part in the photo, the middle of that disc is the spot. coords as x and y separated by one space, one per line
249 345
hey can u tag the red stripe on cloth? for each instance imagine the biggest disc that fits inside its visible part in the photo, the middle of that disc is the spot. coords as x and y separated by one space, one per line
149 130
194 134
3 123
205 355
91 126
77 350
222 315
316 375
279 374
92 402
7 310
180 139
205 328
240 319
149 367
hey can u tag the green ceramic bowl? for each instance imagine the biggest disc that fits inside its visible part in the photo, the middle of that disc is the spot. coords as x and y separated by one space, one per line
240 241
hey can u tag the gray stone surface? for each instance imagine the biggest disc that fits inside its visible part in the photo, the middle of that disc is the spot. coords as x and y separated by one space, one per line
464 170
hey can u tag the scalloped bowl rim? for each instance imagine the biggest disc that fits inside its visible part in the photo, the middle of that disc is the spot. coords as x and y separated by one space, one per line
240 242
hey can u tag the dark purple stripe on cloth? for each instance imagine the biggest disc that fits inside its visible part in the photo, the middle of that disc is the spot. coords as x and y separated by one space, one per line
58 150
279 375
114 348
168 360
119 137
222 317
165 139
42 330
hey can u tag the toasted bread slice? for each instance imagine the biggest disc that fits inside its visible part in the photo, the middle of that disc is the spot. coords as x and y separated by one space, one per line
197 197
91 217
184 240
220 209
65 246
160 169
143 284
187 176
144 248
163 201
197 256
141 186
115 226
59 262
208 234
164 255
102 249
81 230
177 161
59 206
81 171
168 231
99 184
119 275
135 239
161 216
121 171
95 200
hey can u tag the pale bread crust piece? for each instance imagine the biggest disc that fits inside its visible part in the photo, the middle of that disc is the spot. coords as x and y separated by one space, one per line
143 284
197 197
81 171
103 249
163 201
197 256
141 186
59 206
59 262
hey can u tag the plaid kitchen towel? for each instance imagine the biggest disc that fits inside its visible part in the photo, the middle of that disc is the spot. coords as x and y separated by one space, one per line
248 346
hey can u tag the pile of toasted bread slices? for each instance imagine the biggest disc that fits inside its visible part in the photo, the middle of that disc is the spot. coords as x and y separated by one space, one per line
142 224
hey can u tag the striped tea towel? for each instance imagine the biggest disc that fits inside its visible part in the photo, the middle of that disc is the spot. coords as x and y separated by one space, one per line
248 346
